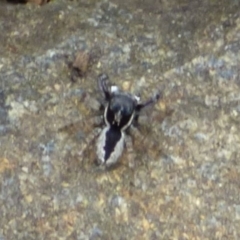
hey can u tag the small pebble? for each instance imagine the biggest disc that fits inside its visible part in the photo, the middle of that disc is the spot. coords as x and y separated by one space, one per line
126 85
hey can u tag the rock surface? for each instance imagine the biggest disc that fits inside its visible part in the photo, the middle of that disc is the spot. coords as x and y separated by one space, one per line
186 186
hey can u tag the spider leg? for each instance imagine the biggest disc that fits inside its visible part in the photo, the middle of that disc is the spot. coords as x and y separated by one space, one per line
102 84
149 144
75 126
95 132
136 133
93 103
140 138
148 102
95 121
130 152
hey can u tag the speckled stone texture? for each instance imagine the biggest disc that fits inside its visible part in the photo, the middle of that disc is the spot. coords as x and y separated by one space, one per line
185 184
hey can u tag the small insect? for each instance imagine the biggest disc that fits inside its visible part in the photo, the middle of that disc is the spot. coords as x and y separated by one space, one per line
121 110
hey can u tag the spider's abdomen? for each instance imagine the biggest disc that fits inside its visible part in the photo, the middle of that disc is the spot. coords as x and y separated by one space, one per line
110 145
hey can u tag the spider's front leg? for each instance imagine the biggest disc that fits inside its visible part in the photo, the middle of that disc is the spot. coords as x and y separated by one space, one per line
102 84
95 132
86 122
83 125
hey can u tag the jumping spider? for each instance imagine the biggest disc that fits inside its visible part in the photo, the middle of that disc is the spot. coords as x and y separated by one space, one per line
121 109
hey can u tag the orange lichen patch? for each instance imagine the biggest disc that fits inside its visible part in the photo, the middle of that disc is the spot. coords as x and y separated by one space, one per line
5 165
43 226
70 218
233 175
69 221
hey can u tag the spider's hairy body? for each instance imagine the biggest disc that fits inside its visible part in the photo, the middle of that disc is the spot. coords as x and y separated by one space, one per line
121 109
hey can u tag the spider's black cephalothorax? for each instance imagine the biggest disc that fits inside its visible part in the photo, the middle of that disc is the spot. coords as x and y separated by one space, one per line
121 109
